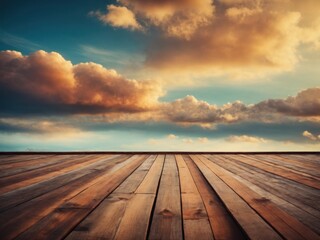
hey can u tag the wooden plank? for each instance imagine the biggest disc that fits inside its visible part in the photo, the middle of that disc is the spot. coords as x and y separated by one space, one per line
74 210
103 222
18 219
307 180
195 218
132 183
11 199
24 179
299 213
167 220
22 158
97 225
135 222
10 170
151 181
224 227
300 195
140 206
253 225
285 224
277 161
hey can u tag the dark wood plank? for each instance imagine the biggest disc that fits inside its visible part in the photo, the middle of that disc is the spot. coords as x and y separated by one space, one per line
167 220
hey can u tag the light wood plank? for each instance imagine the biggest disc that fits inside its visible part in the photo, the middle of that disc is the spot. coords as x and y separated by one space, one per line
167 220
195 218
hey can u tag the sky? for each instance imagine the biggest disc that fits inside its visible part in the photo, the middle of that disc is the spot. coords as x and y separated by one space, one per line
170 75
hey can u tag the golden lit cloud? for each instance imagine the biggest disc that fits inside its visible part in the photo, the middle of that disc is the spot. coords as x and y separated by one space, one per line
178 18
240 38
118 16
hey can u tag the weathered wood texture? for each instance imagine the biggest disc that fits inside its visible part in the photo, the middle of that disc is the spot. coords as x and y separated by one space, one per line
160 196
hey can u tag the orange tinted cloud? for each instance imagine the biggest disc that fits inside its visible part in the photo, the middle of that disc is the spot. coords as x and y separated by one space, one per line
50 79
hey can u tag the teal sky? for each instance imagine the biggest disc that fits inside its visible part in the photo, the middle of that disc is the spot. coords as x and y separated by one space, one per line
178 75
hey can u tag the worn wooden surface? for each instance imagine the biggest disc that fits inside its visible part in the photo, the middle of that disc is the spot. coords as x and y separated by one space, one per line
160 196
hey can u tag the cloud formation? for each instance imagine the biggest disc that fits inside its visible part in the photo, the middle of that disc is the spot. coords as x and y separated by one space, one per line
243 38
189 110
178 18
118 16
45 83
48 81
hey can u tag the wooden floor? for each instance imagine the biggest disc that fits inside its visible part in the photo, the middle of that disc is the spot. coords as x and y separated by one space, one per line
160 196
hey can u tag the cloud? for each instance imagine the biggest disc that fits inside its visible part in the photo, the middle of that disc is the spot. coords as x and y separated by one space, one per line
243 42
48 127
239 38
47 82
306 103
178 18
246 138
189 110
118 16
310 136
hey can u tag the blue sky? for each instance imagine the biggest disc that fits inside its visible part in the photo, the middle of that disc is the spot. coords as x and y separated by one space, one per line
223 75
